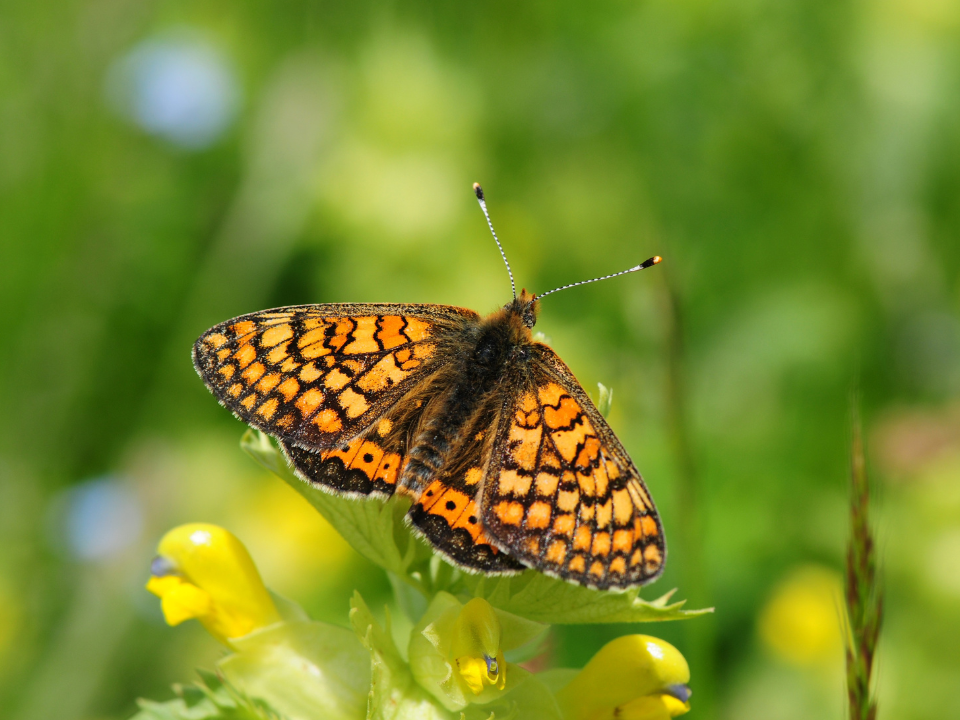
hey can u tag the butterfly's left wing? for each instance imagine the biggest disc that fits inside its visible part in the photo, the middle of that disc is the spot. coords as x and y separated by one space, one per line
317 376
561 494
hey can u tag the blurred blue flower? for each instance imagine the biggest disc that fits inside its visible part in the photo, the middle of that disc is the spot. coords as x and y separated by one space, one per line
102 518
178 87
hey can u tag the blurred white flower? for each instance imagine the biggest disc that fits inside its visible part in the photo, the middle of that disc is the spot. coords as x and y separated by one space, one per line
178 87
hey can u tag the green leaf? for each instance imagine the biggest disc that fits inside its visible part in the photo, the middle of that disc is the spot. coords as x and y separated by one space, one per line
536 596
303 669
211 699
372 526
531 700
394 695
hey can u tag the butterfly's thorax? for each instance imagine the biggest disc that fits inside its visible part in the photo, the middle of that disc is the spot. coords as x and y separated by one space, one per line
491 353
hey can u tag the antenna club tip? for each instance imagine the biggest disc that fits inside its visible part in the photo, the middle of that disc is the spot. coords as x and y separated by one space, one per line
657 259
478 191
651 261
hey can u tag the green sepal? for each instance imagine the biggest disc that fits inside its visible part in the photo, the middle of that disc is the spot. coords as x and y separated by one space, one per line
394 694
532 700
303 669
213 698
536 596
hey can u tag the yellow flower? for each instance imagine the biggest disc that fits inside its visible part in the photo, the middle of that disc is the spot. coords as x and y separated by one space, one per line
456 650
476 647
635 677
203 571
801 620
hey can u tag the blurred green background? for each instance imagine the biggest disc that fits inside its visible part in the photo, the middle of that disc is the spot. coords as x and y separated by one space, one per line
167 165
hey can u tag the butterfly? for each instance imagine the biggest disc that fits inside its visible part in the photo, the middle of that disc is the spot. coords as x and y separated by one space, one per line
507 462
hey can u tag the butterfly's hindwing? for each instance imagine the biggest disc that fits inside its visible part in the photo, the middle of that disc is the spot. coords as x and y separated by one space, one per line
319 375
447 512
561 493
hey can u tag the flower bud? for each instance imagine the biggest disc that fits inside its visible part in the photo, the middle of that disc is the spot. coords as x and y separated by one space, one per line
635 677
203 571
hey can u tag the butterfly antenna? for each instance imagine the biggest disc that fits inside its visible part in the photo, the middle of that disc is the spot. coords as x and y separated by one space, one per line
642 266
483 206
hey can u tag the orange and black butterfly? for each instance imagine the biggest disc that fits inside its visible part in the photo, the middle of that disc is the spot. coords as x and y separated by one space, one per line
508 463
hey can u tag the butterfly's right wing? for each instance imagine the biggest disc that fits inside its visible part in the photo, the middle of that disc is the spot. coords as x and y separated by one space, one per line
318 376
560 493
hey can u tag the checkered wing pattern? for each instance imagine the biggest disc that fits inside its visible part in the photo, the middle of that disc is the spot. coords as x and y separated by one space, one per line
561 494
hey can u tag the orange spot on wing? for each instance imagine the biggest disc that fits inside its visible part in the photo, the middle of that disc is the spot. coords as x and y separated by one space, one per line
312 337
648 526
596 569
581 540
268 408
367 459
510 483
335 379
242 328
472 476
245 355
289 389
525 444
547 484
389 334
550 394
381 375
538 516
576 564
652 555
227 371
389 469
249 401
509 513
328 421
278 354
268 382
308 402
309 373
622 507
235 389
604 513
216 340
363 337
557 552
253 373
464 521
567 500
384 427
276 335
416 329
622 541
601 544
562 416
564 524
353 403
618 565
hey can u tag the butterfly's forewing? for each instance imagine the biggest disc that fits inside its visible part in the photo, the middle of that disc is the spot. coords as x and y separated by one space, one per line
317 376
561 494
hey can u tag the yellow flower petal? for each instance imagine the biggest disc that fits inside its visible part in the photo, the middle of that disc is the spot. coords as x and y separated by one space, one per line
636 673
473 671
205 572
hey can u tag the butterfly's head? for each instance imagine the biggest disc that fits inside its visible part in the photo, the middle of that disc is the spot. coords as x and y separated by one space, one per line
526 307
